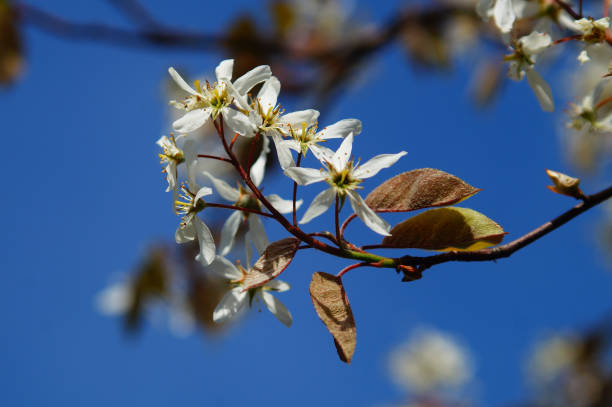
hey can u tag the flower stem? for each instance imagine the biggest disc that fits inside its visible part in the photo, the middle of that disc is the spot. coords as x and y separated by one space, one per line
336 221
351 267
214 157
346 223
238 208
295 186
252 152
231 146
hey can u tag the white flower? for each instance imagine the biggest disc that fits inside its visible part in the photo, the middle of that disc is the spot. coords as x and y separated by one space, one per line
552 357
343 178
502 12
522 62
430 360
234 301
593 30
304 137
588 115
268 118
189 203
172 156
209 101
243 198
115 299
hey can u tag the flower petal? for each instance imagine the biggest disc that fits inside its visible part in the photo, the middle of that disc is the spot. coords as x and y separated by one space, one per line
258 169
535 42
295 119
374 165
367 215
191 121
252 78
305 176
206 241
277 308
283 205
230 305
223 188
181 82
185 234
229 231
283 152
319 205
225 268
343 154
277 285
504 16
340 129
258 233
204 191
541 90
323 154
269 93
224 70
238 122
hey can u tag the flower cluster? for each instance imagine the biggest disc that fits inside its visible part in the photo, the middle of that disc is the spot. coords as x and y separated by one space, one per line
230 106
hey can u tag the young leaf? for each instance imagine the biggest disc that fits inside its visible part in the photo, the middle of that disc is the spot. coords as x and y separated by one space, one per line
332 306
274 261
446 229
564 184
418 189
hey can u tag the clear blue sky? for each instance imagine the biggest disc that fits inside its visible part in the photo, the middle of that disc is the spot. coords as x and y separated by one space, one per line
85 197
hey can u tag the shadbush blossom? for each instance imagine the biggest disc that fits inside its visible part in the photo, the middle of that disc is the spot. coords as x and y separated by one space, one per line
343 177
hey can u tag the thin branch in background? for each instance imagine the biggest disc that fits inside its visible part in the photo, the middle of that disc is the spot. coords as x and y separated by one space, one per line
135 11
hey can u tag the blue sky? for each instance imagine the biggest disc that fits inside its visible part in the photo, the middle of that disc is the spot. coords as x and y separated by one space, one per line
85 198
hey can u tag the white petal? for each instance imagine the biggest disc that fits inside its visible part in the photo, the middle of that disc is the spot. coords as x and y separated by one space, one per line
374 165
258 169
340 129
191 120
343 154
535 42
541 90
504 16
283 205
295 119
285 158
323 154
224 268
204 191
171 176
367 215
206 241
278 285
292 144
224 70
115 299
252 78
185 234
269 93
230 305
223 188
258 233
238 122
229 231
248 249
305 176
277 308
483 8
583 56
181 82
319 205
239 99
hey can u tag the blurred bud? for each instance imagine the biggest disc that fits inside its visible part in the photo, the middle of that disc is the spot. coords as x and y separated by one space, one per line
11 58
430 361
551 358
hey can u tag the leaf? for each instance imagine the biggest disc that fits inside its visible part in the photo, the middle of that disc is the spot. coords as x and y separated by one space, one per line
418 189
564 184
274 261
446 229
332 306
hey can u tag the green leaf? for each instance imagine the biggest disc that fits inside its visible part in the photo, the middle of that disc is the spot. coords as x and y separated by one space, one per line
275 260
332 306
418 189
446 229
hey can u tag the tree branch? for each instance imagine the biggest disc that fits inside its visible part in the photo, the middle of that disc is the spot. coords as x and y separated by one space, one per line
508 249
